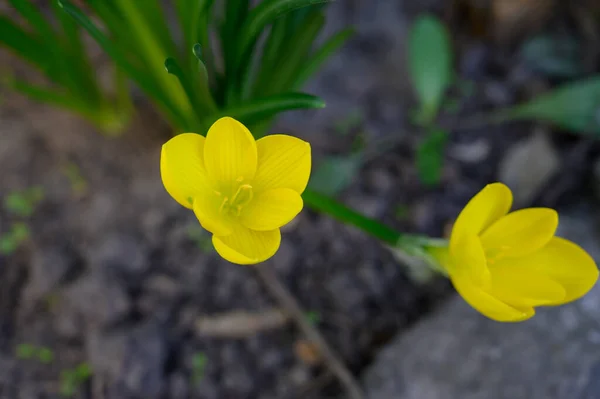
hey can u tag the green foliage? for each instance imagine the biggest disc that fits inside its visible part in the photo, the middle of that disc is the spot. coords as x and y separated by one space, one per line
23 203
72 379
430 65
79 185
199 361
11 241
54 47
247 82
335 173
41 354
313 317
430 156
572 106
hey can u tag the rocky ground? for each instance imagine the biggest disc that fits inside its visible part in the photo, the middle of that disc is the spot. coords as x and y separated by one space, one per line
117 276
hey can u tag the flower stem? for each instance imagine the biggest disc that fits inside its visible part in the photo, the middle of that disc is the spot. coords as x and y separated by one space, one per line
330 206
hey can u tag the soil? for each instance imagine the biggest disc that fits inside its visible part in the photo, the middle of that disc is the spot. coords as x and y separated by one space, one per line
114 277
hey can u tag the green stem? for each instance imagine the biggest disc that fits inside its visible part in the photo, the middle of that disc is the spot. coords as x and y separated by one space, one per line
330 206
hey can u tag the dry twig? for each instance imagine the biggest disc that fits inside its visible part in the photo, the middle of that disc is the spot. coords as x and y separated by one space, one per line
294 310
240 324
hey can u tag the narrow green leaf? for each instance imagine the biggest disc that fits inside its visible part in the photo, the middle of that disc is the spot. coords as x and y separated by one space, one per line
333 208
318 58
51 97
430 156
264 14
335 173
295 51
23 44
263 108
141 77
430 64
35 18
573 106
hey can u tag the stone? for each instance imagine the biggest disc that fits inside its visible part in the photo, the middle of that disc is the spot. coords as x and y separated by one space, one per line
528 166
458 353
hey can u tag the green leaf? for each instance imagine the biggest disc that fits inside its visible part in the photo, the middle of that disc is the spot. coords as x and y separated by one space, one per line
45 355
430 64
335 173
554 56
333 208
262 108
430 157
573 106
25 351
318 58
265 13
23 44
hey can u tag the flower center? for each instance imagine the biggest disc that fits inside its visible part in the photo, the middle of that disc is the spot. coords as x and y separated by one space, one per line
494 255
233 205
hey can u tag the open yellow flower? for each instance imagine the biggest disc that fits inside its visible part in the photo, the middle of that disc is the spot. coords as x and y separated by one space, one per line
241 190
505 264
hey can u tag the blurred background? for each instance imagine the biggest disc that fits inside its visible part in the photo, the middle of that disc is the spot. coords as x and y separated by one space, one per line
110 289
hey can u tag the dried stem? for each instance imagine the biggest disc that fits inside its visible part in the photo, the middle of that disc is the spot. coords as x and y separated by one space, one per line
289 303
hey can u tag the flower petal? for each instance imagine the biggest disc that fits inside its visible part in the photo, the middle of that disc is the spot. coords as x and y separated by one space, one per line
566 263
522 232
246 247
206 209
229 154
523 287
468 260
283 162
489 306
182 168
271 209
489 205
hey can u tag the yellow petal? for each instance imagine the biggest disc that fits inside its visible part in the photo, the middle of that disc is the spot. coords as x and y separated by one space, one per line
206 208
566 263
468 260
271 209
489 306
489 205
524 287
246 247
520 233
229 155
182 168
283 162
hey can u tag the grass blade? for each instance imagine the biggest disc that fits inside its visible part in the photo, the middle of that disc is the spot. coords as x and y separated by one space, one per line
263 108
318 58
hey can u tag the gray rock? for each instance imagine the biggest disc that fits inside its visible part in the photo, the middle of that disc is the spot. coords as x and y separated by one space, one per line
133 359
528 166
458 353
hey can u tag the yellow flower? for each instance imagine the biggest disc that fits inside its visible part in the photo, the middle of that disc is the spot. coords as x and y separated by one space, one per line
241 190
505 264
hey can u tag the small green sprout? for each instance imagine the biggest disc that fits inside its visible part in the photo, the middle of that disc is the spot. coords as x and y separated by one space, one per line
79 185
42 354
72 379
23 203
12 240
25 351
313 317
198 367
